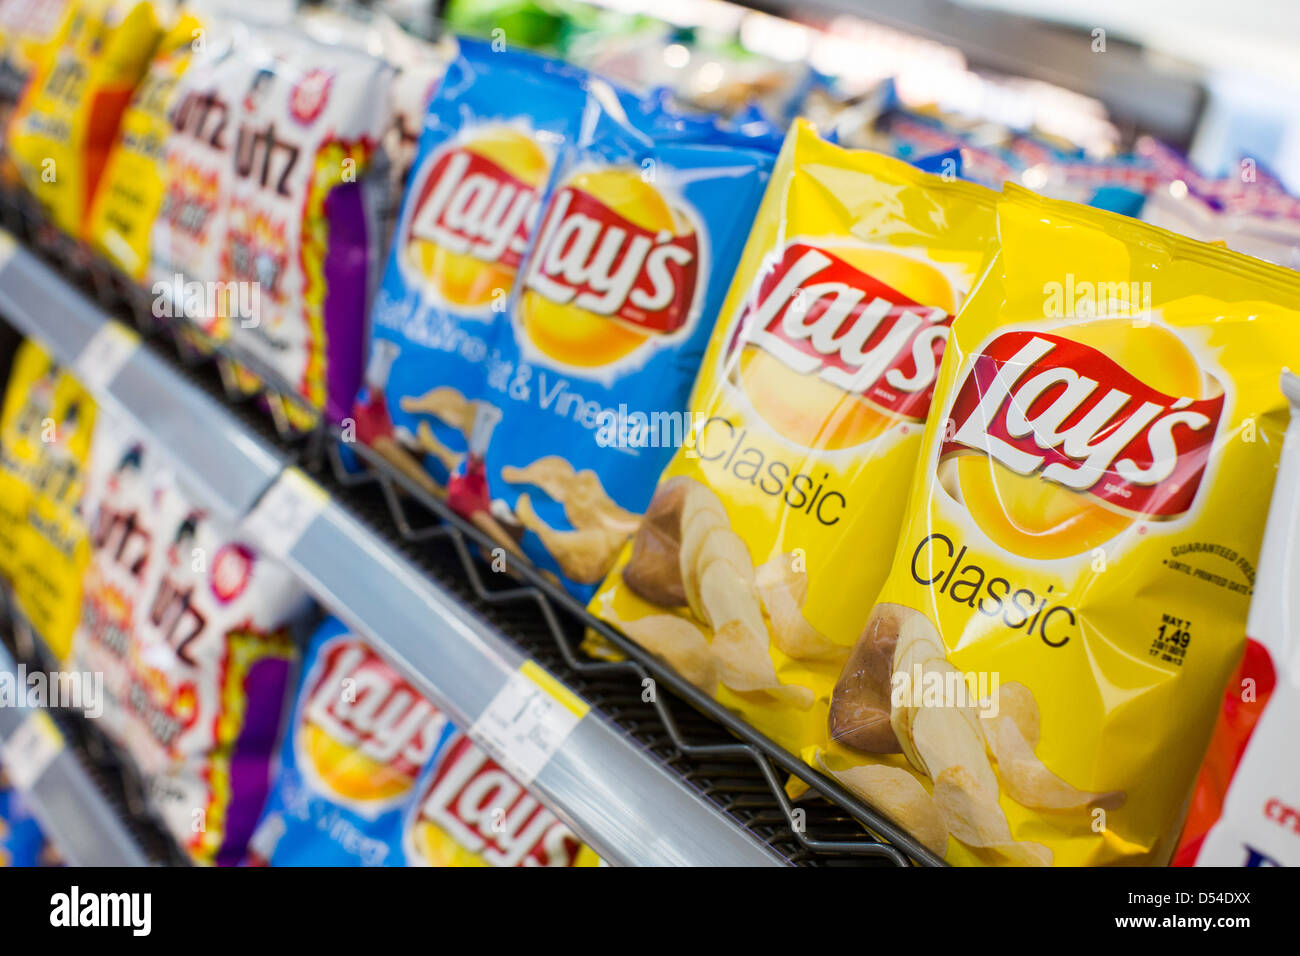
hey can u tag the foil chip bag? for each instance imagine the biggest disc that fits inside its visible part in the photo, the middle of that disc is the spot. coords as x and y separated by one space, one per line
1040 675
588 381
491 137
64 126
373 774
772 529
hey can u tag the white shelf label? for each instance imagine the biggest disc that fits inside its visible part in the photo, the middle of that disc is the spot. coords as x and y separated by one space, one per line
30 749
104 355
284 512
527 721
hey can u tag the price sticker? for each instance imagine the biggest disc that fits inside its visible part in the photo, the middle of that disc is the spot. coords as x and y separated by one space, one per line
527 721
104 355
284 512
31 749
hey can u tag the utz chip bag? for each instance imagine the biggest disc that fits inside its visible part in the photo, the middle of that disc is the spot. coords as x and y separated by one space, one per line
197 166
121 508
300 225
65 124
490 142
590 378
1245 809
45 436
771 531
372 774
1039 678
131 189
211 660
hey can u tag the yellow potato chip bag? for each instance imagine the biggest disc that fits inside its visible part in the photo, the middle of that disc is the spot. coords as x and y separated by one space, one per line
770 534
45 435
1068 596
29 402
130 192
64 125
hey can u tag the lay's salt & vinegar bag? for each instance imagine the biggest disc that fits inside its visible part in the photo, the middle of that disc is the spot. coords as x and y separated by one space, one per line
131 190
636 245
771 531
301 223
65 124
1068 597
372 774
491 137
359 737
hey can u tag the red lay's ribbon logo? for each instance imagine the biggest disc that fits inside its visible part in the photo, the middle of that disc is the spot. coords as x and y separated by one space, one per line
489 813
592 257
821 316
471 206
365 705
1043 404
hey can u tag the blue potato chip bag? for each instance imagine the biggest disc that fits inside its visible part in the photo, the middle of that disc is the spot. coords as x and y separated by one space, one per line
351 761
492 133
589 380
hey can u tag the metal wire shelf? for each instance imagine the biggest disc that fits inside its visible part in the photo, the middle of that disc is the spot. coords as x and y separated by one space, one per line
721 757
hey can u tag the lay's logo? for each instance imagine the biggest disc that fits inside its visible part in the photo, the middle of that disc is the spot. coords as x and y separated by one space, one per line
1042 404
1057 442
473 214
839 343
598 260
473 805
616 267
366 732
821 316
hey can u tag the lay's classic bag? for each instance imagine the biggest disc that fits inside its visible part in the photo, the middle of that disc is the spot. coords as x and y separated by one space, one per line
372 774
131 189
65 124
1068 597
636 246
770 533
45 436
491 137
